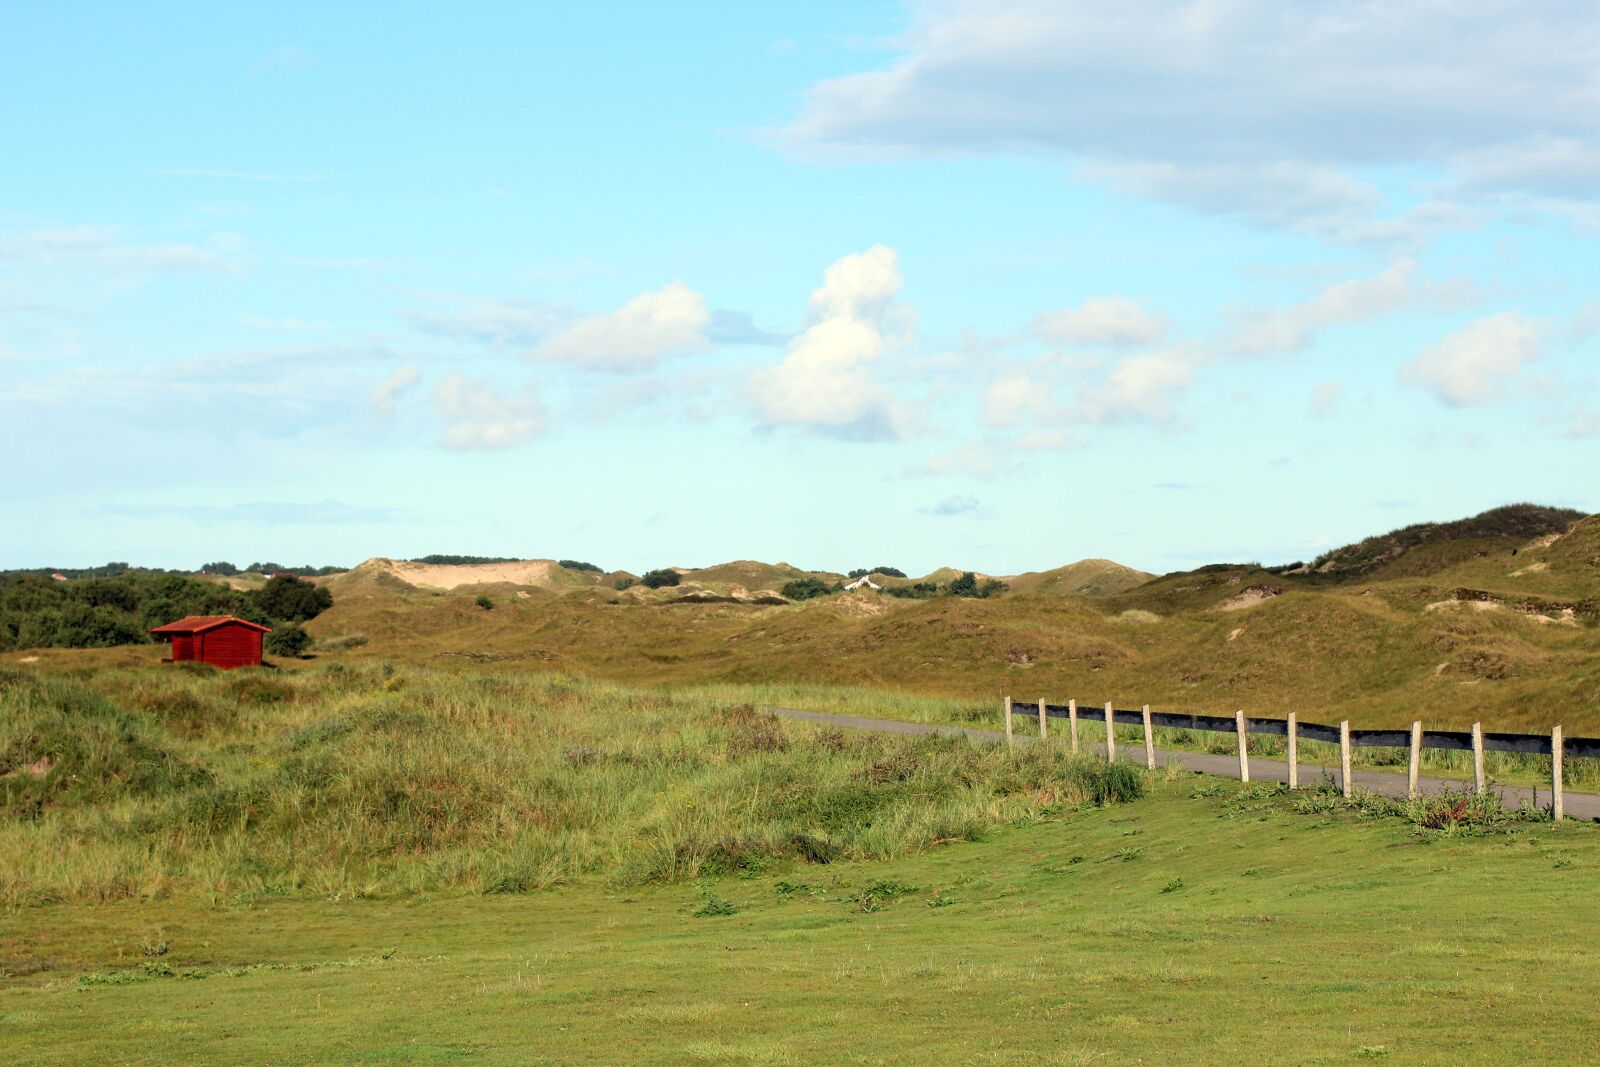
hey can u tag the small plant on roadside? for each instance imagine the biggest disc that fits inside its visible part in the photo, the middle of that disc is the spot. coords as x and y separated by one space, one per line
155 945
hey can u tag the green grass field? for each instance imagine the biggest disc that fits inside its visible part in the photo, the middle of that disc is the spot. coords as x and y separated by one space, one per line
1219 928
366 864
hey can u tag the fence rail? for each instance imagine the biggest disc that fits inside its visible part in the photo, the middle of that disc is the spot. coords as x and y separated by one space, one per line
1477 740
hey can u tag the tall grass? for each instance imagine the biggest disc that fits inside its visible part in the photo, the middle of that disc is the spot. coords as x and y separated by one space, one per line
374 780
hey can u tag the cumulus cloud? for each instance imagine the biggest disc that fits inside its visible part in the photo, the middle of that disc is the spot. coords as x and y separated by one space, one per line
1476 364
1115 322
387 393
637 336
1250 106
824 382
479 415
1142 387
1016 399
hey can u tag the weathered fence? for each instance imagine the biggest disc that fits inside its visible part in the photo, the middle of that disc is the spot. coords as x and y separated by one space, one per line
1477 740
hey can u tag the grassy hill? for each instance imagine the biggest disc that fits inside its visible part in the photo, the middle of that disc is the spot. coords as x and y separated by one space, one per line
1502 528
1087 577
1447 630
403 866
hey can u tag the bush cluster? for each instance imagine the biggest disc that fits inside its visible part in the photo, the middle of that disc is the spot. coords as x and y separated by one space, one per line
660 578
966 585
807 589
579 565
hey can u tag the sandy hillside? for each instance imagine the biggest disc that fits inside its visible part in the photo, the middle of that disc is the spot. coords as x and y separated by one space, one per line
543 573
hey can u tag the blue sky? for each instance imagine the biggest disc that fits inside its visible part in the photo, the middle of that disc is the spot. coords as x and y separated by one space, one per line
999 285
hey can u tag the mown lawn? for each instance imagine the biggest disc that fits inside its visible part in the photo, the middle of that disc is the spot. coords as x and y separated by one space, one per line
1222 927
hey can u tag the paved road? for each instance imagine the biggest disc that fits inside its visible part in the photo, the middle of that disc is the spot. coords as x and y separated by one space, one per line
1576 805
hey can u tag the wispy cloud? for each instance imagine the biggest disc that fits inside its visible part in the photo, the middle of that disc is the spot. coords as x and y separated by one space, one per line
110 249
259 513
960 505
237 175
282 60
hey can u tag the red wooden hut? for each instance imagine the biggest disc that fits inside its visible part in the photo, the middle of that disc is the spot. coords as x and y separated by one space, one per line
220 640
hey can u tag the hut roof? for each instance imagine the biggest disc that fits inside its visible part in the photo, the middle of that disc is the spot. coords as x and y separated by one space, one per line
194 624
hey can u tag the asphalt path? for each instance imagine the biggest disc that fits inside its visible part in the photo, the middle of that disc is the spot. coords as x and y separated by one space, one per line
1575 805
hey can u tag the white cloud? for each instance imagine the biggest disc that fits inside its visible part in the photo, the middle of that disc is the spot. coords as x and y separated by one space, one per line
1293 329
480 415
1257 107
1477 363
824 382
1141 387
960 505
1115 322
496 322
109 249
637 336
1015 399
387 393
984 458
1326 396
1585 323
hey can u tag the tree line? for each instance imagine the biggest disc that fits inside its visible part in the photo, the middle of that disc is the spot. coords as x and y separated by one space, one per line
40 612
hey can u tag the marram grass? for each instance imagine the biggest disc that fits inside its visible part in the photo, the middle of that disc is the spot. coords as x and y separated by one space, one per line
372 780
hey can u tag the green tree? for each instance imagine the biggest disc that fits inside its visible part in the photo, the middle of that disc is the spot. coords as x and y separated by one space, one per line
622 583
295 599
664 576
290 639
966 585
221 567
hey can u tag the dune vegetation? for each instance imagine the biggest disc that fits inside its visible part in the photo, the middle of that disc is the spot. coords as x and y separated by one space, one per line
374 780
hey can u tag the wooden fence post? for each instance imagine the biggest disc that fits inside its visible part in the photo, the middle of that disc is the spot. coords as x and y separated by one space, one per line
1557 753
1244 749
1292 745
1041 719
1149 741
1009 741
1344 755
1072 721
1416 760
1111 732
1477 756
